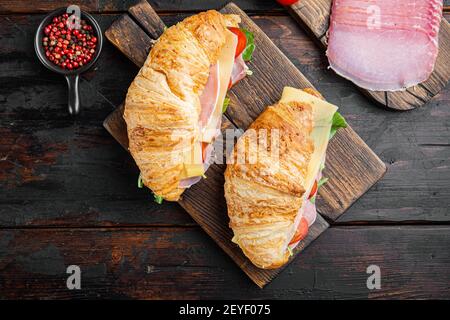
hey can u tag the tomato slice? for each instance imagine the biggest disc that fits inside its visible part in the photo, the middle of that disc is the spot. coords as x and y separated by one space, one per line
301 232
242 40
287 2
204 147
313 190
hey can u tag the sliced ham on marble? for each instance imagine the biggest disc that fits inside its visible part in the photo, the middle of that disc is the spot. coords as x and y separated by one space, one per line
384 45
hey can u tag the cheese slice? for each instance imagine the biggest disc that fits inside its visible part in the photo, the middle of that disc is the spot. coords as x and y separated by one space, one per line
322 120
193 162
193 170
225 63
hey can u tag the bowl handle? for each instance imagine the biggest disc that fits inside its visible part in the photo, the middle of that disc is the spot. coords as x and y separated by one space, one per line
74 97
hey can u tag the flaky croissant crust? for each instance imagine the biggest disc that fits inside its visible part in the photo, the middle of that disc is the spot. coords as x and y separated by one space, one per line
162 106
263 198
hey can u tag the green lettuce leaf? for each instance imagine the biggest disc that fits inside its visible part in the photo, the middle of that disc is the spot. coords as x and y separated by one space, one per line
140 184
226 102
338 122
247 54
322 182
158 199
291 253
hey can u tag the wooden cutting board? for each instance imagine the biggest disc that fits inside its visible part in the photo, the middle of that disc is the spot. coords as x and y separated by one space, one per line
314 16
351 166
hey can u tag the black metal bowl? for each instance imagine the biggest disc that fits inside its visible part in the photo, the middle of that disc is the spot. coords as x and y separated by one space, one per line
71 76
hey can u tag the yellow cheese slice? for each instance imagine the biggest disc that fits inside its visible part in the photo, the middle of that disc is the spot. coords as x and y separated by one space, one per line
322 117
225 62
193 170
193 162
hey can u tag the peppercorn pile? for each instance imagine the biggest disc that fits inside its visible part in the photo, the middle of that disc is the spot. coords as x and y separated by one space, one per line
66 47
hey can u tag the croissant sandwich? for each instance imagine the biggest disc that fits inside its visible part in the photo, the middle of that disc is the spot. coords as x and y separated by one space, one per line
274 173
173 108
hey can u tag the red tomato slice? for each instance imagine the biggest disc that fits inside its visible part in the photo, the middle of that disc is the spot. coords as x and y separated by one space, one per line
301 232
204 147
313 190
287 2
230 84
242 40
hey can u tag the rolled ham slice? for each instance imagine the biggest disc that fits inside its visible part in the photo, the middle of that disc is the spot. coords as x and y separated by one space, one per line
309 212
384 45
189 182
210 95
239 70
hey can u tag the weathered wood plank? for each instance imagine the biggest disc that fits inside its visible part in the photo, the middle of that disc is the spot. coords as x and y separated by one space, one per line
366 162
419 168
153 263
144 13
314 16
28 6
64 174
125 35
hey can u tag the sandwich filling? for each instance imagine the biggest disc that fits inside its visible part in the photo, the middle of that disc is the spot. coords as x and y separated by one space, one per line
229 69
324 124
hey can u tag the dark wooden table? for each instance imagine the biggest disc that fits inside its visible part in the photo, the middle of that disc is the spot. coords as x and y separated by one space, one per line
68 191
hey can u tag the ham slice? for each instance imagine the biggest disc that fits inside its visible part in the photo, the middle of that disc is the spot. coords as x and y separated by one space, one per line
239 70
384 45
309 212
187 183
210 95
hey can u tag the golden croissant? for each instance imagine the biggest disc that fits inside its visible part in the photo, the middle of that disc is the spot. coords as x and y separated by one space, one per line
273 175
173 108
